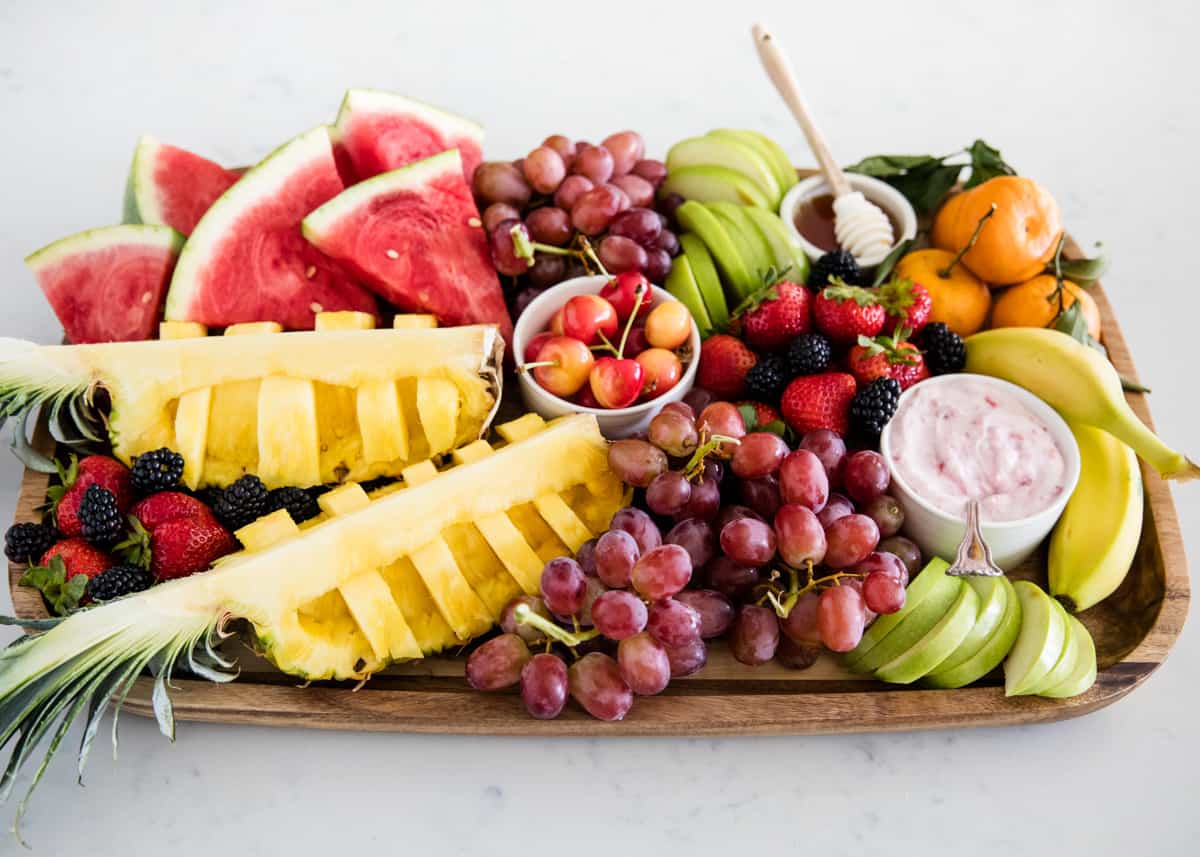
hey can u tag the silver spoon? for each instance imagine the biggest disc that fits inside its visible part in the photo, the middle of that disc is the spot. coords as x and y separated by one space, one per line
974 556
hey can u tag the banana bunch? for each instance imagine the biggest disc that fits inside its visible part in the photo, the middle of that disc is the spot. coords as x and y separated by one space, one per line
1094 542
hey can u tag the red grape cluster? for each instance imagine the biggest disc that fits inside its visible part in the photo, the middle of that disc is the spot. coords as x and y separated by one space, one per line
564 189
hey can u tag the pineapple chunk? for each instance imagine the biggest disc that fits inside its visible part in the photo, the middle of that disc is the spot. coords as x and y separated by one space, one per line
472 452
267 530
414 321
191 431
462 608
420 610
253 328
344 320
381 423
437 405
563 521
522 427
513 550
371 604
344 500
419 473
288 446
181 329
481 567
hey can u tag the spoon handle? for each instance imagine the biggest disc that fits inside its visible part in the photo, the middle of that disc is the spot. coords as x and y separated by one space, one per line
779 69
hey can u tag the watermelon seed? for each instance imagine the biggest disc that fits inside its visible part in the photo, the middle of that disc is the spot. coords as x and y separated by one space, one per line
392 254
475 221
315 307
311 272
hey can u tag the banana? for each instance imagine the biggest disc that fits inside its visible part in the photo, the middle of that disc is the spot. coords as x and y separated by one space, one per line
1075 380
1094 541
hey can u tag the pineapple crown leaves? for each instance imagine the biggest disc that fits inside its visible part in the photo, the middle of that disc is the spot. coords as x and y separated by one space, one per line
766 291
840 291
61 593
891 346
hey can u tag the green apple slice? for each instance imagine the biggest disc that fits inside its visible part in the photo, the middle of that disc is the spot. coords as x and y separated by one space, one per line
1067 661
993 595
711 183
707 279
1084 675
990 655
734 217
731 154
788 254
696 218
1039 643
938 643
682 286
928 596
918 590
781 165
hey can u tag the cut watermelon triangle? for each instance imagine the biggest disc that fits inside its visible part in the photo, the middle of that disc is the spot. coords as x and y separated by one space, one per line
247 261
377 132
107 285
171 186
414 235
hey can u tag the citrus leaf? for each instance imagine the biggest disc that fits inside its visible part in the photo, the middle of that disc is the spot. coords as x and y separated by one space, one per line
886 166
884 269
986 163
1085 272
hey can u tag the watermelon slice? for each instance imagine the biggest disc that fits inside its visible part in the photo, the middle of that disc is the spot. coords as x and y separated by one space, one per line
107 285
414 235
246 259
377 132
171 186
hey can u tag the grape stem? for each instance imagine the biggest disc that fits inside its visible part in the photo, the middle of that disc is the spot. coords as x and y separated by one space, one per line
522 615
695 465
524 248
783 606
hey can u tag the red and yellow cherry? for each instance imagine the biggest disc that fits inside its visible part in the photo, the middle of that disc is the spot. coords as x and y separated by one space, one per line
535 345
584 397
722 418
621 291
616 383
662 370
588 318
669 325
563 365
635 342
556 322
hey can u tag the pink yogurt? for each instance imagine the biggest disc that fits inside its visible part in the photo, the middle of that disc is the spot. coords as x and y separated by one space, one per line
969 439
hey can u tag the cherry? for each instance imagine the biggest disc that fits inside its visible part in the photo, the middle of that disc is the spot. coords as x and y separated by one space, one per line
588 318
669 325
621 292
534 346
563 365
556 322
662 370
616 383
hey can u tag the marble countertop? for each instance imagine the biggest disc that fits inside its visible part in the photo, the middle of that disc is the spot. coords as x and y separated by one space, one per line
1095 100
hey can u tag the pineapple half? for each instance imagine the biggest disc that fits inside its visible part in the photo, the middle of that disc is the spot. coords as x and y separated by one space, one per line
425 564
343 402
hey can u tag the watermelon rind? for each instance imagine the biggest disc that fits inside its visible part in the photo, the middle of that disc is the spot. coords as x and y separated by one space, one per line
147 235
265 179
382 101
141 203
411 177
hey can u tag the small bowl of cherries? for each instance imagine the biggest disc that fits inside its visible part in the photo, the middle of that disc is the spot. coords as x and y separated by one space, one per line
617 347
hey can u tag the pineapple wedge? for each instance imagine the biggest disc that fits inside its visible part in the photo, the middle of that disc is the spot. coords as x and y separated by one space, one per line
371 580
337 404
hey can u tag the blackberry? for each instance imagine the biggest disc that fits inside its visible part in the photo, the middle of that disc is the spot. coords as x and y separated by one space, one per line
809 354
27 542
766 379
208 495
377 483
158 470
241 503
944 349
839 264
99 516
299 503
119 580
873 406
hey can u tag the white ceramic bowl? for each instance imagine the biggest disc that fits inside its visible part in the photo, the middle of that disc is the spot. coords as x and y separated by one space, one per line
879 192
614 423
939 533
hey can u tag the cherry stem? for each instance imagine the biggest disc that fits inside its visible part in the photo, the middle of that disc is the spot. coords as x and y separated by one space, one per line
605 344
522 615
695 464
638 294
525 367
945 272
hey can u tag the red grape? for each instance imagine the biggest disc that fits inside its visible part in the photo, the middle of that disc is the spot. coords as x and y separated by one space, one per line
687 659
644 664
550 225
636 462
865 475
759 454
696 537
658 266
497 213
618 614
618 254
547 270
510 625
668 242
829 447
802 480
569 192
885 563
796 656
639 191
641 224
731 513
669 493
654 172
885 511
755 635
586 557
882 592
762 495
595 162
681 408
627 149
500 181
593 211
593 589
705 501
544 686
800 624
673 432
563 145
497 663
544 169
729 578
748 541
841 618
639 525
563 586
724 419
715 610
800 537
504 254
616 552
906 549
849 540
839 506
699 398
661 572
595 683
714 470
673 623
669 203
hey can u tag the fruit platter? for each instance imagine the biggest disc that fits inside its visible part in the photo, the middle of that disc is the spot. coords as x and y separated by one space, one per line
380 433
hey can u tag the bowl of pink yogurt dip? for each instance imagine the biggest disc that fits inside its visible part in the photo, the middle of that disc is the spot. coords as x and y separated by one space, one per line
960 437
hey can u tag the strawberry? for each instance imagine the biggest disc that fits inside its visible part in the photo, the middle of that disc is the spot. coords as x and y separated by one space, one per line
764 414
822 401
888 357
908 304
844 313
168 506
175 535
76 477
724 362
63 573
79 557
771 317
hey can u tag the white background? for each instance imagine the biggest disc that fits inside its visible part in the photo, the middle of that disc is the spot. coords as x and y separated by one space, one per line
1096 100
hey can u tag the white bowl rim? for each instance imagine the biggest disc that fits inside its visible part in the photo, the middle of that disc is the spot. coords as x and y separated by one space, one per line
1062 433
660 294
813 185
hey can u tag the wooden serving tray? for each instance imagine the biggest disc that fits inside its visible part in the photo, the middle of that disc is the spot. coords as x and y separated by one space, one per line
1134 629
